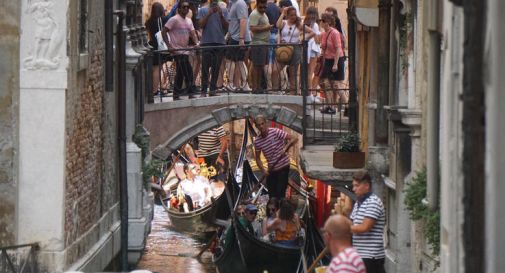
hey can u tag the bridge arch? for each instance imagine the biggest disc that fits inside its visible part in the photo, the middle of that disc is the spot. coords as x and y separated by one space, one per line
172 124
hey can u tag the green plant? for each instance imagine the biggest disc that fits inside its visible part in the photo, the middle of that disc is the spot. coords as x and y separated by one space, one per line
141 138
348 143
414 195
152 168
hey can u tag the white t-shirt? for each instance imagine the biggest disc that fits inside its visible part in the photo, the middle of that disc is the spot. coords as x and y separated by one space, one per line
195 189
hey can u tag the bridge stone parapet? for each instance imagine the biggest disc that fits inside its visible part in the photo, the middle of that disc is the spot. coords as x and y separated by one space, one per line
171 124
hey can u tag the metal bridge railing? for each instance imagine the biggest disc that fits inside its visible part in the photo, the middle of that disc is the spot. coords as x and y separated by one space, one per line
19 258
165 76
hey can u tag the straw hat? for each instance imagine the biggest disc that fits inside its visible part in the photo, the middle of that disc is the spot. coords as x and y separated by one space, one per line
283 54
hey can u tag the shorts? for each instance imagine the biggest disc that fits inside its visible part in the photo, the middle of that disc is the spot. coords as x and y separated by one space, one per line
313 54
327 73
297 55
236 54
259 55
271 49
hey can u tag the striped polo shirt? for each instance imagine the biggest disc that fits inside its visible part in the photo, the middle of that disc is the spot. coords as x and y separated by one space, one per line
208 142
370 244
347 261
272 146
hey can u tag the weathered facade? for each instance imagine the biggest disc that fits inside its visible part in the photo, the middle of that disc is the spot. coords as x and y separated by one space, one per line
59 153
440 103
9 119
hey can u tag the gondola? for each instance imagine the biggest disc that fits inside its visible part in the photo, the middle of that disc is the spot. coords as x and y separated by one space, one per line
250 254
203 222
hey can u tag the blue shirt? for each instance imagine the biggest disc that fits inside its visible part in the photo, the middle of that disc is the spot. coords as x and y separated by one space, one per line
238 11
213 31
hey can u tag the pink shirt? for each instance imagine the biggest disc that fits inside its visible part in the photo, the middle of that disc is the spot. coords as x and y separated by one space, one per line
347 261
334 42
179 30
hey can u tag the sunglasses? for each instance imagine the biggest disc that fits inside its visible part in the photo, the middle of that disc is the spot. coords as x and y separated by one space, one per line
252 212
185 7
271 209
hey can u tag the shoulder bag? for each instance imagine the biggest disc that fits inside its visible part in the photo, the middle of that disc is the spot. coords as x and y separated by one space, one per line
320 60
283 54
159 37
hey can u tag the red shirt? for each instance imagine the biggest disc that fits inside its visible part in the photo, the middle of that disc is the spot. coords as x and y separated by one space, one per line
330 44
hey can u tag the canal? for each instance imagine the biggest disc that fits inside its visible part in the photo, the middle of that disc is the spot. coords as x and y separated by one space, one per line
168 251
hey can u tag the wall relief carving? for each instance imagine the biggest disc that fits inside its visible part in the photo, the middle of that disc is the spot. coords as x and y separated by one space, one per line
46 36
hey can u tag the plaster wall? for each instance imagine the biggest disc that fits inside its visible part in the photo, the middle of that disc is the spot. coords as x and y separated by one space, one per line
9 120
451 211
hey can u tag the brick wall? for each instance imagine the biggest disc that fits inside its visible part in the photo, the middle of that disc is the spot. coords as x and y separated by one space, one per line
9 100
90 144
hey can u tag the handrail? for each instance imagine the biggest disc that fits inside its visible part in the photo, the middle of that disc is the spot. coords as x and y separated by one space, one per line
319 126
19 265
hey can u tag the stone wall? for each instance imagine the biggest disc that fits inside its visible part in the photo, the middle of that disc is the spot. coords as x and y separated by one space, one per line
90 153
9 99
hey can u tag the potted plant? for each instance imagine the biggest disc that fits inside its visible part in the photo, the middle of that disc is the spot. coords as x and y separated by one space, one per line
347 154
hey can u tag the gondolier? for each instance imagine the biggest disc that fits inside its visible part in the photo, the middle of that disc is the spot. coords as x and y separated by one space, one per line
212 147
274 144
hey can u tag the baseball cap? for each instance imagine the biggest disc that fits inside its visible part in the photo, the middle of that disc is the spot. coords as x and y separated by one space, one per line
251 207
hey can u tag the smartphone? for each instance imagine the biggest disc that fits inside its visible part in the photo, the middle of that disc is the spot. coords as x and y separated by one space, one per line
214 5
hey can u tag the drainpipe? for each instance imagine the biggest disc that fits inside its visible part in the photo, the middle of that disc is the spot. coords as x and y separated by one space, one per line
381 122
353 92
433 107
121 136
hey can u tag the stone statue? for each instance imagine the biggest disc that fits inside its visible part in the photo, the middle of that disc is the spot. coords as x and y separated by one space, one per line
46 35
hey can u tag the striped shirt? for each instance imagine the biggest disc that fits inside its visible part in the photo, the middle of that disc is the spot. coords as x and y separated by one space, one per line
272 147
347 261
209 143
370 244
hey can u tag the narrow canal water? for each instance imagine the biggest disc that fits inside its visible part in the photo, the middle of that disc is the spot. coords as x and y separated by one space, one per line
168 251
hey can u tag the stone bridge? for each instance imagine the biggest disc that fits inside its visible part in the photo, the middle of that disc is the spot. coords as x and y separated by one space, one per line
171 124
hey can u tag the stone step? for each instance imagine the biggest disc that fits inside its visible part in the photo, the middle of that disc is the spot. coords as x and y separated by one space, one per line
326 136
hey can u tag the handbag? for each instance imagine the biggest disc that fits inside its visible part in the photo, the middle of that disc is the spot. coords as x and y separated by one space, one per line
319 65
159 37
283 54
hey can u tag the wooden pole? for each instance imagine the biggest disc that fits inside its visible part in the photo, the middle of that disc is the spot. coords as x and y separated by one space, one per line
319 257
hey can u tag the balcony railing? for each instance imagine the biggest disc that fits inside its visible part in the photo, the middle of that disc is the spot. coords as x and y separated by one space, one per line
19 259
166 76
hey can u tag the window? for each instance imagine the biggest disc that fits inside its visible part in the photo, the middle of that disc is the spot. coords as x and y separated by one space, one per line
83 26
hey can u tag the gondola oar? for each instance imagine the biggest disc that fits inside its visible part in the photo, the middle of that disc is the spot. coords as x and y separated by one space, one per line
319 257
233 222
265 176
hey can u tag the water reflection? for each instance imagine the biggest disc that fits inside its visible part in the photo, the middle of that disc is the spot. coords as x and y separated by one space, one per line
168 251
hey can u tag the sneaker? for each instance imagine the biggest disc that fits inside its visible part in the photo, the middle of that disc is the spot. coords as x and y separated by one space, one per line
247 88
331 111
324 110
231 88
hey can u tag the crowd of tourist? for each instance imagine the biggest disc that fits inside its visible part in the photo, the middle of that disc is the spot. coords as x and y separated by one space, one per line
258 57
